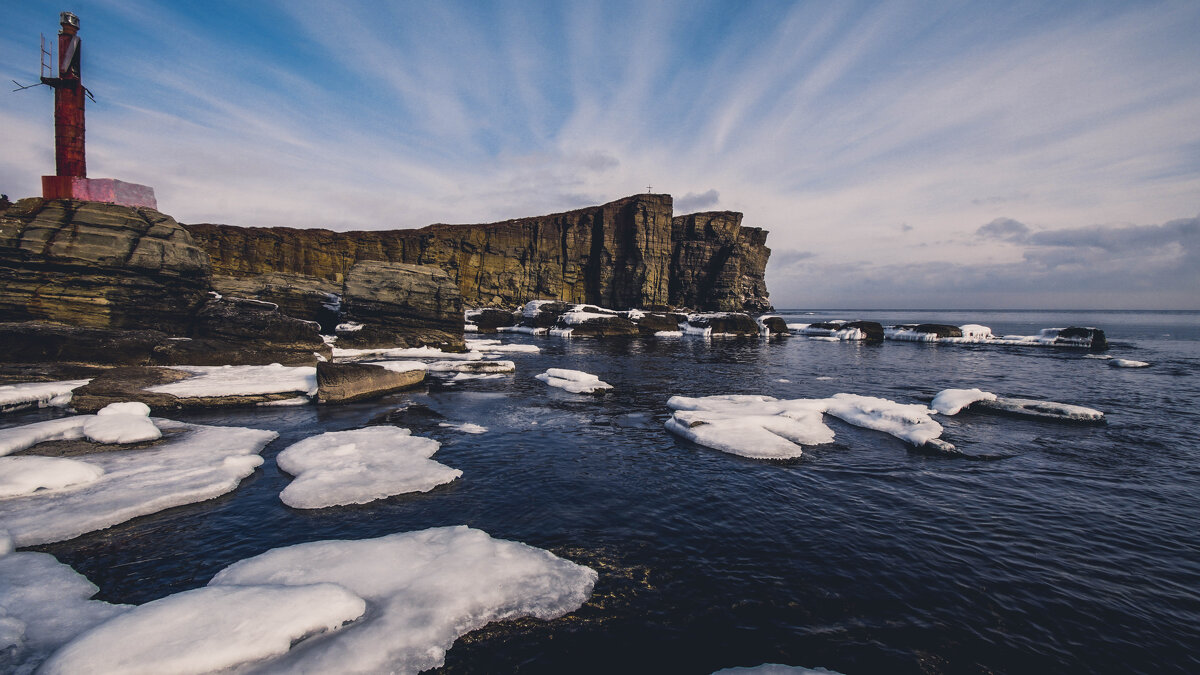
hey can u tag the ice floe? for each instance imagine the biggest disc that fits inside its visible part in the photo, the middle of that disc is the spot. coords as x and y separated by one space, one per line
360 466
41 394
423 590
760 427
950 401
241 381
27 474
195 464
43 605
1128 363
763 427
208 629
574 381
465 427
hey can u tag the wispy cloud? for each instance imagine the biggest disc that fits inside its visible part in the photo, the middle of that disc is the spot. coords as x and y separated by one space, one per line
854 132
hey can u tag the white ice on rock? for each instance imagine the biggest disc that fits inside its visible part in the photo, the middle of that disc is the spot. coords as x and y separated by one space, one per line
763 427
951 401
25 475
241 381
43 605
360 466
574 381
423 590
208 629
41 394
196 464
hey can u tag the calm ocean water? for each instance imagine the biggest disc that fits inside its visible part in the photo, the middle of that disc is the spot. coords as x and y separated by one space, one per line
1059 548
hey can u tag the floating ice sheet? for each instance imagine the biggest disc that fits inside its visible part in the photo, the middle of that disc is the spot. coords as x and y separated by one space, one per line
423 590
1128 363
574 381
41 394
199 463
207 629
43 605
763 427
360 466
241 381
465 427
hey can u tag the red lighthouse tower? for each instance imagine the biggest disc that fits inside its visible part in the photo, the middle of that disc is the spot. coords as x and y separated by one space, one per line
70 161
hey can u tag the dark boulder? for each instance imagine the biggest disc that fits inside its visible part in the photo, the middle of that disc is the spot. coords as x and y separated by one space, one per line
1075 336
253 332
655 322
546 315
939 329
775 325
489 319
872 329
607 325
128 384
729 323
346 382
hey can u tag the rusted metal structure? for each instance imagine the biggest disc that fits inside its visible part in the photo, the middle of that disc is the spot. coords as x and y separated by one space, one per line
70 160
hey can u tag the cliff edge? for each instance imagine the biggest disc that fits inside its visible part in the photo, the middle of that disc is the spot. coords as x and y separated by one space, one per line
632 252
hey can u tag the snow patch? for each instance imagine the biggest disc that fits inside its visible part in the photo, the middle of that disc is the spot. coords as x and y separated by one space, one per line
241 381
41 394
465 427
360 466
1128 363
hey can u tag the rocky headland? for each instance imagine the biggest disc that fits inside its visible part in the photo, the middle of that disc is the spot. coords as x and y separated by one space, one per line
95 284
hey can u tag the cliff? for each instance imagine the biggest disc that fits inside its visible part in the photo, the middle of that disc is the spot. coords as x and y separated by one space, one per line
628 253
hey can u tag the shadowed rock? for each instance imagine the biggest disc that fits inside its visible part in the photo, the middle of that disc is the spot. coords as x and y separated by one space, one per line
400 305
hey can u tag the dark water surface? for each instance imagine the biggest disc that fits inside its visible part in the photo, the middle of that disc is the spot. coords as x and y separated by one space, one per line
1072 549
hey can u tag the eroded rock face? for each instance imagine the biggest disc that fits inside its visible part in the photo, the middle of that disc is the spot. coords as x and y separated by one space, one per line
627 253
297 295
400 305
99 265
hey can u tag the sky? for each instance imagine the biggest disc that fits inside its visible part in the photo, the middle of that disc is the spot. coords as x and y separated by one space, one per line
901 154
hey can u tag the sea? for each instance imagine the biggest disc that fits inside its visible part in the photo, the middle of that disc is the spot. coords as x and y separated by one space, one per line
1046 547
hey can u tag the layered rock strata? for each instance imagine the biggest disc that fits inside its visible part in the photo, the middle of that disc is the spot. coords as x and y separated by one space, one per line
628 253
99 265
398 305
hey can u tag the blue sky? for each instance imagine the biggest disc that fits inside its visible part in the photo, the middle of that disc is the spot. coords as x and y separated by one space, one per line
925 154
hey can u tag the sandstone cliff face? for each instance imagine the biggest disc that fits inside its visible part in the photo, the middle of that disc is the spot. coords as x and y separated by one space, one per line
627 253
99 265
399 305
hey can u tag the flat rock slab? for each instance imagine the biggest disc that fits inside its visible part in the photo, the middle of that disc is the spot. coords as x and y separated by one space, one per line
346 382
131 384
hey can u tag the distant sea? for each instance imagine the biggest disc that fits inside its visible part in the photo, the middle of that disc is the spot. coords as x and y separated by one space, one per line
1048 548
